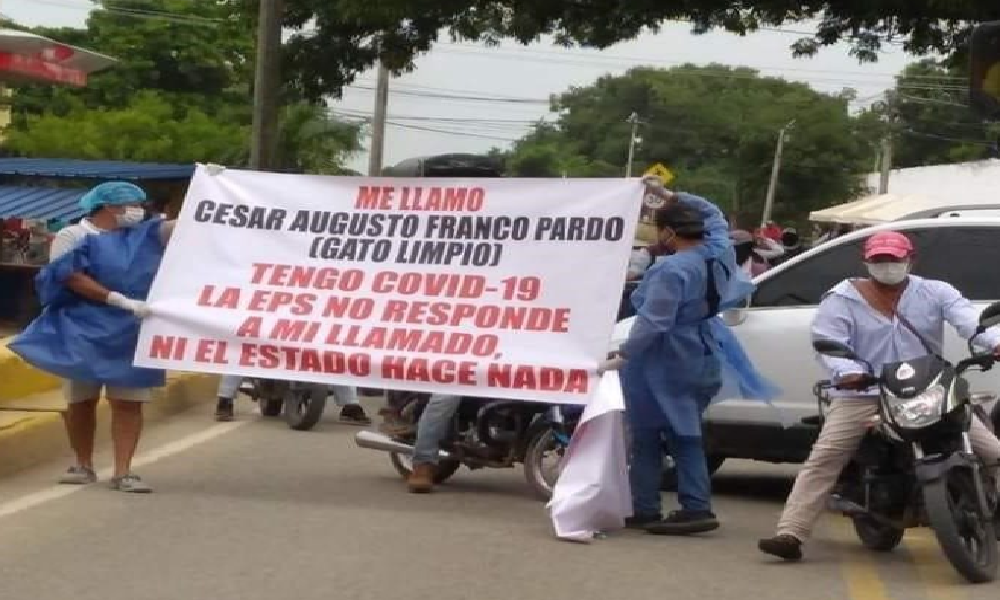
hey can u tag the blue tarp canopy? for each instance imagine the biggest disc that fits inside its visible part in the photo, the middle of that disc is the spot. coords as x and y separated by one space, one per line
40 203
93 169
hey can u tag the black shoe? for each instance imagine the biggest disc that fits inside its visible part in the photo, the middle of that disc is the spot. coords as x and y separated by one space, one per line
355 415
783 546
685 522
224 410
640 521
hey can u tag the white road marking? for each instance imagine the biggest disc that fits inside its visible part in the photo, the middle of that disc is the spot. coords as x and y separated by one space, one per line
165 451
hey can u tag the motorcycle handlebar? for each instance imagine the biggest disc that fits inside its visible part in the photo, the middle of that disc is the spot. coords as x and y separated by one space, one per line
984 362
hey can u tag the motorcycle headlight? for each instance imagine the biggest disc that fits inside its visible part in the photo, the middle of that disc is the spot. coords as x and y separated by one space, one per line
920 411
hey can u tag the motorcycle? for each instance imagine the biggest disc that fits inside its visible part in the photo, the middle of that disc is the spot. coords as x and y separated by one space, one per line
915 466
485 433
300 403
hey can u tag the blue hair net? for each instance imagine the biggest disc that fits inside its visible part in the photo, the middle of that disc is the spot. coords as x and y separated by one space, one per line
114 193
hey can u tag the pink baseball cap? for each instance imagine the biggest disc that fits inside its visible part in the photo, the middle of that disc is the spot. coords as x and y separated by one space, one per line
888 243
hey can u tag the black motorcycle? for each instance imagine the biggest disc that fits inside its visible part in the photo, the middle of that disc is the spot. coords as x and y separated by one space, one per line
300 403
916 467
485 433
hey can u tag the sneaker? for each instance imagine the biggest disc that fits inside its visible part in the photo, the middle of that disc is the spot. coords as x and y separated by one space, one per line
786 547
224 410
131 484
640 521
78 476
684 522
354 414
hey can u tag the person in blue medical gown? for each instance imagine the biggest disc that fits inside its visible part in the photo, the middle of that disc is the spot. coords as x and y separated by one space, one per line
680 356
92 293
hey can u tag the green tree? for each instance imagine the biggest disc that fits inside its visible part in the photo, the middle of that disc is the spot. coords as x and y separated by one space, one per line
932 123
195 54
716 129
311 141
546 153
150 129
336 39
153 129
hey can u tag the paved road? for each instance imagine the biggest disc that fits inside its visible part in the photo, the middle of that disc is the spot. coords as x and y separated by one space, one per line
254 511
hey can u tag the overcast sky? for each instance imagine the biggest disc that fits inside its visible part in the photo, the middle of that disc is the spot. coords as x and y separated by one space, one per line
503 90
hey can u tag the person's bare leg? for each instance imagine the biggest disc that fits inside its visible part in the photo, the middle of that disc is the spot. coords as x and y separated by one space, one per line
126 426
80 419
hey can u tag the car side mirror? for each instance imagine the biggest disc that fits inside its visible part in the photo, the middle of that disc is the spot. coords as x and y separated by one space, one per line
990 317
834 349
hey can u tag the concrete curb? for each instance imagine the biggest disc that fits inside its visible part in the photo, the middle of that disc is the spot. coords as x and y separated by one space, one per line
18 379
29 439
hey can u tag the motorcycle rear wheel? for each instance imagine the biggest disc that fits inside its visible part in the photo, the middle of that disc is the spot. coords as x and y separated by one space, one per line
877 536
967 537
540 479
404 466
304 405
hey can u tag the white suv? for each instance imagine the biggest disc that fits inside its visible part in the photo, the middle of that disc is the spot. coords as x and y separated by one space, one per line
775 330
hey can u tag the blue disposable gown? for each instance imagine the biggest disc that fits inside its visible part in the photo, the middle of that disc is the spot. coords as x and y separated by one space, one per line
680 358
81 340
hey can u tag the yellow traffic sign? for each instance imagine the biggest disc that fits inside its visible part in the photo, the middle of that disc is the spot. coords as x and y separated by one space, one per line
661 171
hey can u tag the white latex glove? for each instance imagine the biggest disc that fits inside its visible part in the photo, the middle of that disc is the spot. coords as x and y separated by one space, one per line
214 169
136 307
612 364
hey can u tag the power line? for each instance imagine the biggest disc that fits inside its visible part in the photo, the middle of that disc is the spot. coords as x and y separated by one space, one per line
634 60
452 132
360 113
949 139
361 117
169 17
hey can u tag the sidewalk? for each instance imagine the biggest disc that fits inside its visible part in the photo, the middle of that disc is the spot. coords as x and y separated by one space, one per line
28 438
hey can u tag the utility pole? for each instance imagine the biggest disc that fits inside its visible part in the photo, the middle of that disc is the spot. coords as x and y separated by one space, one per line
775 169
266 87
378 121
885 163
633 119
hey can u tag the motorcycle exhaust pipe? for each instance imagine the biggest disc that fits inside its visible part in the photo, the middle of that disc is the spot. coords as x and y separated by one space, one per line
373 440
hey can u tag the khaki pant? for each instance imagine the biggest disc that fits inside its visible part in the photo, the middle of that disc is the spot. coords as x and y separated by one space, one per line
840 438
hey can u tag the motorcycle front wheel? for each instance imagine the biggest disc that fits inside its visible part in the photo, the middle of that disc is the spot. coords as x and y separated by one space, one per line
268 394
966 535
304 405
543 463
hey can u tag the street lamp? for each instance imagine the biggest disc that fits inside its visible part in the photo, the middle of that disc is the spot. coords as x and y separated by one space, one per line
775 169
633 120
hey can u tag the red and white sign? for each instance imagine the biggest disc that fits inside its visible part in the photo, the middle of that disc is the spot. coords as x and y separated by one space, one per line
504 288
28 57
38 68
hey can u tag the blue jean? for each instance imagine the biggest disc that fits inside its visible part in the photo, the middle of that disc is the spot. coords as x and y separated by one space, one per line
433 427
230 384
694 487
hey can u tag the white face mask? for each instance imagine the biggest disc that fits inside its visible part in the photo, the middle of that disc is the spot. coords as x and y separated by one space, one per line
888 273
132 216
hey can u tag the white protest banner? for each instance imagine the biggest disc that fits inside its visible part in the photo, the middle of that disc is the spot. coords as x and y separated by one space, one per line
503 288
